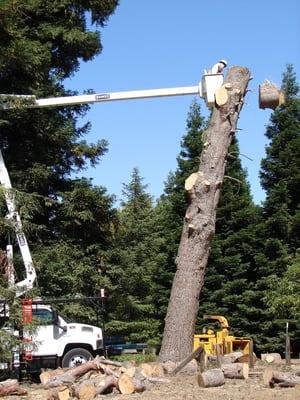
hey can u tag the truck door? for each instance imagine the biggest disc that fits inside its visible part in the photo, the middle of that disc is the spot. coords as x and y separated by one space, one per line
47 334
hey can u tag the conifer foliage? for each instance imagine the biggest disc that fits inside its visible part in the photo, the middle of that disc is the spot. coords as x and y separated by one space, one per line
280 233
68 221
132 265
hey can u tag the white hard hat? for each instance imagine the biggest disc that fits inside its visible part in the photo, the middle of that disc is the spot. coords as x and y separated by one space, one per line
223 62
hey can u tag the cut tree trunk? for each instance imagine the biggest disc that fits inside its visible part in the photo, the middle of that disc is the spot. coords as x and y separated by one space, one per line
152 369
10 387
61 393
284 379
236 371
130 384
232 357
200 219
271 358
270 96
211 378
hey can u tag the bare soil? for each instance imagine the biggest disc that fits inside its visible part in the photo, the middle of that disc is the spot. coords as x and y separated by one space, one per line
185 387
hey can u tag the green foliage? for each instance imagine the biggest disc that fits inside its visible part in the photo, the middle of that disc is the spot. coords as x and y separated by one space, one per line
283 296
69 223
131 266
137 358
279 231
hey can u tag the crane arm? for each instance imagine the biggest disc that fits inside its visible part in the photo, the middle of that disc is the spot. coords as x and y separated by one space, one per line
104 97
14 216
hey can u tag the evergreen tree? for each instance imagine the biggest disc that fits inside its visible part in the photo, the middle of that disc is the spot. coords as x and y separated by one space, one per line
68 222
131 307
280 174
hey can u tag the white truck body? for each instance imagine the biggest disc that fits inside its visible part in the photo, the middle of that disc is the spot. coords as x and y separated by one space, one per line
57 343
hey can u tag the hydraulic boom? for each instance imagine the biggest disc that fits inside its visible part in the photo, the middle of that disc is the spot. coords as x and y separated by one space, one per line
211 81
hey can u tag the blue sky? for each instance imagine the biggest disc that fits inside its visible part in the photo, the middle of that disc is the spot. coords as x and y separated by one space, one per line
167 43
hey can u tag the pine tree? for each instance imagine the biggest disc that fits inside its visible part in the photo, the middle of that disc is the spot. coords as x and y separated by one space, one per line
68 222
131 307
280 178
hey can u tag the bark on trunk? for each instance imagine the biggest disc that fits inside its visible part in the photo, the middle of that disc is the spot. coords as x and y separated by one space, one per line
282 379
199 223
211 378
236 371
232 357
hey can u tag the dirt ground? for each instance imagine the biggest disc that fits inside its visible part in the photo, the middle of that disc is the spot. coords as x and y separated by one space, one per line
184 387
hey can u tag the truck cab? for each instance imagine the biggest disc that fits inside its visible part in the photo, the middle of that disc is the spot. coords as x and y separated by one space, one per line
58 343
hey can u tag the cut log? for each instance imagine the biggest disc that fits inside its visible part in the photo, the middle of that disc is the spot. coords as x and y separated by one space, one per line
152 369
130 371
106 361
106 385
236 370
231 357
128 384
271 358
272 378
211 378
85 390
191 368
245 358
11 387
46 376
169 366
270 96
194 355
71 374
61 393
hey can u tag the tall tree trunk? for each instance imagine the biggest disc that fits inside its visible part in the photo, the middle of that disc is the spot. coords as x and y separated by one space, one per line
199 224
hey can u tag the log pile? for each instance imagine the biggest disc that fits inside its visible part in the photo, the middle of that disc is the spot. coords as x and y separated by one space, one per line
100 376
11 387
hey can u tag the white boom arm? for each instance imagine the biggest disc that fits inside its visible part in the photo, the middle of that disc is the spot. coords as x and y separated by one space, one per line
126 95
211 81
14 216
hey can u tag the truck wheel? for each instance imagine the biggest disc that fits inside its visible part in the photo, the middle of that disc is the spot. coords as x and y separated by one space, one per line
76 357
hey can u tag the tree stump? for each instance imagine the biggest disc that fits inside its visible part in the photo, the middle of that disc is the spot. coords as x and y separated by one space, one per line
236 370
211 378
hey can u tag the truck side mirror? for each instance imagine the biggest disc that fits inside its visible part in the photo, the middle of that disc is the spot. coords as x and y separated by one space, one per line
56 321
55 317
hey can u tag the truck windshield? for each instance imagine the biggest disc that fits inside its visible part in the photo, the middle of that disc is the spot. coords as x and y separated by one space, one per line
43 316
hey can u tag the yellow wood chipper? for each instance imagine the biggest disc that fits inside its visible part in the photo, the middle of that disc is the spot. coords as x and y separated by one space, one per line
227 343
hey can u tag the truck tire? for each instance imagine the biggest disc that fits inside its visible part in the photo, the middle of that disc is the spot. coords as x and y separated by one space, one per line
76 357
